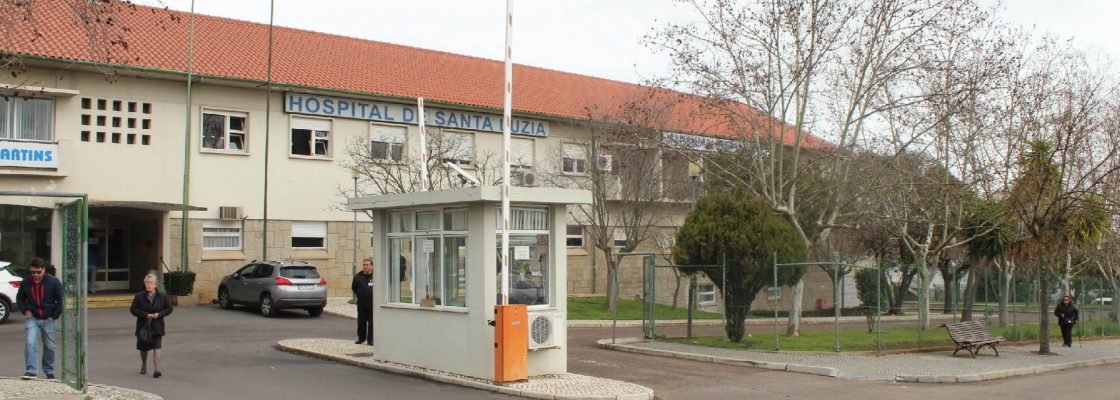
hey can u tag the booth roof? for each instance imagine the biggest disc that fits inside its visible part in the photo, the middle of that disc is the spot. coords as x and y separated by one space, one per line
520 195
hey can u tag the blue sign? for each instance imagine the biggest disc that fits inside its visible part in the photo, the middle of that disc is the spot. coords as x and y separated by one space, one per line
28 154
298 103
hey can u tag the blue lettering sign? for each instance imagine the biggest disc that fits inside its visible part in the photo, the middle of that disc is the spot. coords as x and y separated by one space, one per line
407 114
308 105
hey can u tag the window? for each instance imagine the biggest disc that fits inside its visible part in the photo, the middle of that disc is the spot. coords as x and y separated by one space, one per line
706 293
520 153
575 236
528 255
575 159
387 142
221 235
311 137
458 148
300 272
619 237
428 264
223 130
26 119
309 235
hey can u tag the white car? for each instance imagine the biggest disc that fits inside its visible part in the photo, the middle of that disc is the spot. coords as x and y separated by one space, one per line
1102 300
9 285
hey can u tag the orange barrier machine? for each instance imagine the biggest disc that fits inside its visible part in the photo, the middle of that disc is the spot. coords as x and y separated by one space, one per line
511 343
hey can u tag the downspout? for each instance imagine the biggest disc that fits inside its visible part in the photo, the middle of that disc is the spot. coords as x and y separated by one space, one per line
267 119
184 229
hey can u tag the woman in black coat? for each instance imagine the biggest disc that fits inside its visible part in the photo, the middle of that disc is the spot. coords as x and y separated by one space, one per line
150 307
1067 316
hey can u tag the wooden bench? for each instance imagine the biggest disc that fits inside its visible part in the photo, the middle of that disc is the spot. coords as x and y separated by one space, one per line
972 336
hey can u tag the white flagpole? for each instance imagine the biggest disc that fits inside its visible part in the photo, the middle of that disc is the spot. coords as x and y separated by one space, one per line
423 146
506 123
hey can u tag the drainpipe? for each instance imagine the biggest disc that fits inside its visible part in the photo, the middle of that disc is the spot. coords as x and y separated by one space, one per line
267 119
183 234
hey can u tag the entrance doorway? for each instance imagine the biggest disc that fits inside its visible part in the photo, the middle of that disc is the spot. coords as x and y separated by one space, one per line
110 258
124 246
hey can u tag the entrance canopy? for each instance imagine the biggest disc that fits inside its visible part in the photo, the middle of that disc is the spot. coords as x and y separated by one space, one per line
143 205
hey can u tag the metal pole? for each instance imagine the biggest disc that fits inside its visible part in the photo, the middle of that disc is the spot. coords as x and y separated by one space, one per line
185 228
354 259
921 312
1014 314
267 120
614 313
423 144
878 304
951 292
835 304
507 121
777 344
691 300
1104 316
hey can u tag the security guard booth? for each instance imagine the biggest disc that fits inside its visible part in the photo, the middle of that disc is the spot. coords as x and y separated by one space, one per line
438 275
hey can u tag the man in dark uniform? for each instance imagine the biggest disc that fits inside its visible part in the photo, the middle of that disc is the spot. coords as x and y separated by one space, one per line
363 292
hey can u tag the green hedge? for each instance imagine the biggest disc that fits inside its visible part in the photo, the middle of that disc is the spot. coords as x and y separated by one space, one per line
179 283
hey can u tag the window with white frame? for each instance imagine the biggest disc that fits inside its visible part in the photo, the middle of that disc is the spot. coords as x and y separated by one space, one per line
428 257
221 235
387 142
574 238
575 159
309 235
311 137
458 147
225 130
27 118
521 153
706 293
528 256
619 237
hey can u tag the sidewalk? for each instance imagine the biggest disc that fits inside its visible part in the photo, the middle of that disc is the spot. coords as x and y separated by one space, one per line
50 389
928 367
567 386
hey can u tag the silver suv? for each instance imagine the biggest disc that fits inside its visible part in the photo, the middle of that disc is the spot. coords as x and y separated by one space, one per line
275 285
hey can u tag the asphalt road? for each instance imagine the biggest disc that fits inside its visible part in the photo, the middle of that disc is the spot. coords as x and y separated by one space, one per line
218 354
211 353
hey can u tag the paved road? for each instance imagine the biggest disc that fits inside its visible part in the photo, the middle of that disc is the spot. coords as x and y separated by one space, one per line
682 379
219 354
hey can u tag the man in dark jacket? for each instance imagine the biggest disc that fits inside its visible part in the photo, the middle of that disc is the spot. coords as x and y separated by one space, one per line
40 299
362 286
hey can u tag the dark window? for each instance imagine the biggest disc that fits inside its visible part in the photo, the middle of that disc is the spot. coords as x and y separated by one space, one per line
101 104
100 137
247 270
116 122
85 119
116 105
263 271
214 131
132 106
301 142
147 107
131 138
145 140
116 137
307 242
85 136
307 272
87 103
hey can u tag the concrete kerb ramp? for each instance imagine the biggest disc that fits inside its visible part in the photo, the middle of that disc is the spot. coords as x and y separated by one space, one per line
561 386
927 367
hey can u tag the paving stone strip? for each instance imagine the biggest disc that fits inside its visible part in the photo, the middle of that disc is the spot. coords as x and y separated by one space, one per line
933 367
15 388
566 386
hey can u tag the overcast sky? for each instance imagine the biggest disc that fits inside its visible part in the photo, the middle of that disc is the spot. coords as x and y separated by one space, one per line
593 37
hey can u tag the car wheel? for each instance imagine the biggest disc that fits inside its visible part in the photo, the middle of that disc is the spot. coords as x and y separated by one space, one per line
6 310
268 309
315 312
223 299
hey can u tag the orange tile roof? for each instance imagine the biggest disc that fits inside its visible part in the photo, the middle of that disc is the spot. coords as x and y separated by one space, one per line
237 49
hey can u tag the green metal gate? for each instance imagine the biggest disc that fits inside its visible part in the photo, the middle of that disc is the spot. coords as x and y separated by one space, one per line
73 216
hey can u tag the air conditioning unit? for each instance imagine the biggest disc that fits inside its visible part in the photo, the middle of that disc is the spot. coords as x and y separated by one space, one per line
606 163
526 178
229 212
542 329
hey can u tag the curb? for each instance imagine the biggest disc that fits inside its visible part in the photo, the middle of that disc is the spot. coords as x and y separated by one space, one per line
446 378
624 345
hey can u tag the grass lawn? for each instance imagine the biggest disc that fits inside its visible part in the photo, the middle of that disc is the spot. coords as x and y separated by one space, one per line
893 339
594 308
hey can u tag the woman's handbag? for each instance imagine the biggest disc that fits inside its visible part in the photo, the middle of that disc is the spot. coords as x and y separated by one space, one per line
145 335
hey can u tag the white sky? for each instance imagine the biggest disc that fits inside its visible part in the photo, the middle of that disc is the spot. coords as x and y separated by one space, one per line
591 37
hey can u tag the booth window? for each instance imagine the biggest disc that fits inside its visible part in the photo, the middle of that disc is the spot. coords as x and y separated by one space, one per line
224 130
575 159
311 137
387 142
26 118
528 256
309 235
706 293
221 235
428 257
619 237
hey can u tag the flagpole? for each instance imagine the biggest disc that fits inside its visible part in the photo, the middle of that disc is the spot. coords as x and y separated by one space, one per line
506 123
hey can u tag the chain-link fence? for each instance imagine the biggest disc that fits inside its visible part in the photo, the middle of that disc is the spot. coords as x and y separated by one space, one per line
856 303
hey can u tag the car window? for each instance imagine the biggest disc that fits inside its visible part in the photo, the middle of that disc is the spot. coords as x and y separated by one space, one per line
299 272
263 271
247 271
